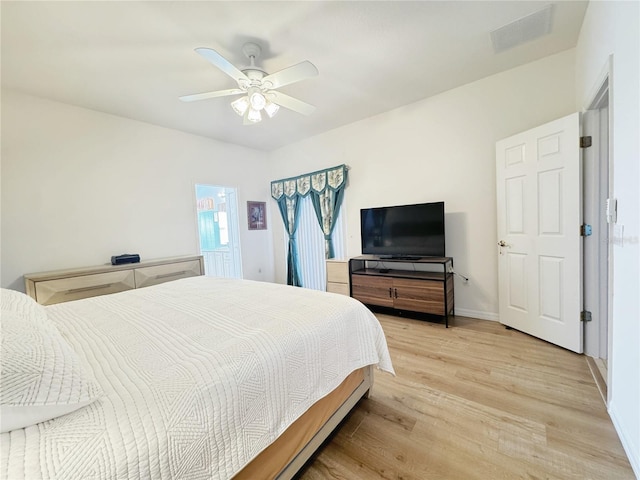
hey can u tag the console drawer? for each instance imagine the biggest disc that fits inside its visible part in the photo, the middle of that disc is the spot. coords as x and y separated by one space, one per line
146 276
61 290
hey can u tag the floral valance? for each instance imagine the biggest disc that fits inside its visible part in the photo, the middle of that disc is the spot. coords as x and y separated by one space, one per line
332 178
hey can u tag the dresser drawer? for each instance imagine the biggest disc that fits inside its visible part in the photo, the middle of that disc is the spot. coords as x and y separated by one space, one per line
341 288
61 290
338 272
146 276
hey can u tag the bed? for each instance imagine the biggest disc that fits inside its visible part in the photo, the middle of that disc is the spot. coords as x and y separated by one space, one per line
197 378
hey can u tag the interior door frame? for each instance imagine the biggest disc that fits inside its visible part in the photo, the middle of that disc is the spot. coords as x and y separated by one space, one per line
235 251
601 95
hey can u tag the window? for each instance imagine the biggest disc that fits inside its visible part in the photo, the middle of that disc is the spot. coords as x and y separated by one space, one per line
311 245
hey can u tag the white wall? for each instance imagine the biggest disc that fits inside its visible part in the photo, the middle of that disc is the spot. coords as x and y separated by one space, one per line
79 186
613 28
442 148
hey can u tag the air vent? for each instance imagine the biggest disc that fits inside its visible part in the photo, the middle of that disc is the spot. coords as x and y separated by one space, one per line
534 25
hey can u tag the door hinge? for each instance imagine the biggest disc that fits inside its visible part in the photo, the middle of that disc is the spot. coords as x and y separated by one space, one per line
585 230
585 142
585 316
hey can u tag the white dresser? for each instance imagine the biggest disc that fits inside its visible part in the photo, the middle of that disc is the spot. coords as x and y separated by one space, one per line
60 286
338 276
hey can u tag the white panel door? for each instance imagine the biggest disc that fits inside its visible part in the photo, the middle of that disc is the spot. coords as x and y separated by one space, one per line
539 218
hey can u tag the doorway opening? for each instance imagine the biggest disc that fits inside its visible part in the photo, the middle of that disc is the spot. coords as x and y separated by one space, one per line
598 211
218 231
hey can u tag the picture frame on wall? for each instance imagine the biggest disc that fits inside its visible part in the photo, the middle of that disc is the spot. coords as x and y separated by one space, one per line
257 215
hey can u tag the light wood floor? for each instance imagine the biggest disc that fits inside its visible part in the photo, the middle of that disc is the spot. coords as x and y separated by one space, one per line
475 401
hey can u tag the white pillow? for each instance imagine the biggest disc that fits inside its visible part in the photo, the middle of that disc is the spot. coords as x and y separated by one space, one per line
13 301
41 377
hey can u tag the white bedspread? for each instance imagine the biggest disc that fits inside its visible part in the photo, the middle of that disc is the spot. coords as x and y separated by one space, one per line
200 375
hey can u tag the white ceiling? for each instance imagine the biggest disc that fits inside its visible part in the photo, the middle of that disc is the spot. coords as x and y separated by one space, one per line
134 59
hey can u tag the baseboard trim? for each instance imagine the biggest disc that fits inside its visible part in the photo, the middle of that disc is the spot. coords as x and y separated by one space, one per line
463 312
597 377
630 449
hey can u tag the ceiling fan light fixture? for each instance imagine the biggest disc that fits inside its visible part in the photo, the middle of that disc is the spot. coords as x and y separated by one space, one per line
240 105
257 100
254 115
271 108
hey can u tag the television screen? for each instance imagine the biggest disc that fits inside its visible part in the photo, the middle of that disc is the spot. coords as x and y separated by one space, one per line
403 230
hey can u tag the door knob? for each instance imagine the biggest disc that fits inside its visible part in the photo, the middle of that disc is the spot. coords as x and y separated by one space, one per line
502 244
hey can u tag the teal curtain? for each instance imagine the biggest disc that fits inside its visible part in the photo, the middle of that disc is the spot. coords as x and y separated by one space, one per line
289 208
326 204
327 191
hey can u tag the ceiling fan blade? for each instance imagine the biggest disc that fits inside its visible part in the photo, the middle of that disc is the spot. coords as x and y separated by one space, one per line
291 103
292 74
204 96
222 63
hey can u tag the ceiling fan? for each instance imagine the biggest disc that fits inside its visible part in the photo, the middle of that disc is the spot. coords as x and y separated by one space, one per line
258 88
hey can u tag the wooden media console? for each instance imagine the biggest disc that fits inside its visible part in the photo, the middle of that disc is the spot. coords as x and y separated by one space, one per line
404 284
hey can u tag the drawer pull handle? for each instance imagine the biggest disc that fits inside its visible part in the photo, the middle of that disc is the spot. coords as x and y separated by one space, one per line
172 274
390 292
87 289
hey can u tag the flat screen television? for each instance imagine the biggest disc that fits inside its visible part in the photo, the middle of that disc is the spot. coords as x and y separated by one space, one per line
409 231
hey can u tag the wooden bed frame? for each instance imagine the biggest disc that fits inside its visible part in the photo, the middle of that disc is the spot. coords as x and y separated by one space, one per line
291 451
